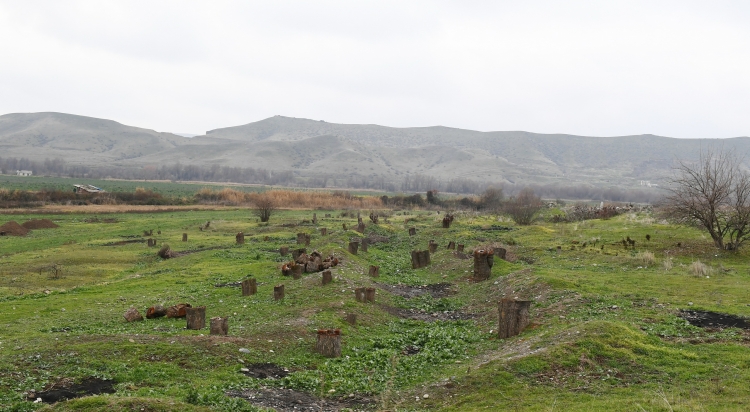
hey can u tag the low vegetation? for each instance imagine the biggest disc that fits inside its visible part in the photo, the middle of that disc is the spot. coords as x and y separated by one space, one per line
609 318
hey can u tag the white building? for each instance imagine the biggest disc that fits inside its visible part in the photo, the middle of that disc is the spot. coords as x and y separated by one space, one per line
23 172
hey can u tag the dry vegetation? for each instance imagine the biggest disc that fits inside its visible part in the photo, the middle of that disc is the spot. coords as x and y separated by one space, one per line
290 199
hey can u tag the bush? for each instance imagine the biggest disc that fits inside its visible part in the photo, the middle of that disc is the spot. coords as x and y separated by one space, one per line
523 207
699 269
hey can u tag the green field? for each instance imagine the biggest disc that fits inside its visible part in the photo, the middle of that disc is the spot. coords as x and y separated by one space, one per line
605 332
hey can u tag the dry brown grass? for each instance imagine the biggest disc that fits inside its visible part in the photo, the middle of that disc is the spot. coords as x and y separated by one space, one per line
700 269
289 199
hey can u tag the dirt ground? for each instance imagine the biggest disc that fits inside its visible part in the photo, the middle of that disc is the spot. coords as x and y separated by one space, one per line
39 224
265 371
288 400
12 228
714 320
66 389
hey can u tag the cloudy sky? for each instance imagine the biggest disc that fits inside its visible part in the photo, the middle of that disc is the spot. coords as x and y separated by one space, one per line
601 68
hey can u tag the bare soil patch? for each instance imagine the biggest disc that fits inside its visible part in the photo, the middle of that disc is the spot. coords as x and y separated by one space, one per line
124 242
12 228
288 400
437 290
704 319
39 224
98 220
416 314
265 371
66 389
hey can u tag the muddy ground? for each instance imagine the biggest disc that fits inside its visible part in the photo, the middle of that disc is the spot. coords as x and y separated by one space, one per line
704 319
66 389
288 400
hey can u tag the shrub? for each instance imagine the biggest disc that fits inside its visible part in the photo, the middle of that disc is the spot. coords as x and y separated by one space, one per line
667 264
647 258
699 268
523 207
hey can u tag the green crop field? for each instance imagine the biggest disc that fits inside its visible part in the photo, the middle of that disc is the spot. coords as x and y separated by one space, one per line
605 331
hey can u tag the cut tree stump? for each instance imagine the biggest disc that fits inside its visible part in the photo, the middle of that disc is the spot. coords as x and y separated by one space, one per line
514 317
451 245
361 227
249 287
351 319
327 277
219 326
184 237
343 225
329 343
296 253
359 294
151 242
278 292
374 271
301 238
432 246
483 260
178 310
370 295
365 243
156 311
196 317
420 258
315 218
297 270
132 315
447 220
323 231
460 248
284 250
412 231
240 238
353 246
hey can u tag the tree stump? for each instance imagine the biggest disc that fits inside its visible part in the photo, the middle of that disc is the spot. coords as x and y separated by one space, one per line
240 238
278 292
514 317
329 343
359 294
351 319
178 311
296 253
412 231
266 238
132 315
156 311
300 238
374 271
451 245
297 270
447 220
460 248
323 231
482 264
361 227
284 250
327 277
365 243
151 242
184 237
420 258
500 252
315 218
196 317
219 326
432 246
249 287
343 225
370 295
353 246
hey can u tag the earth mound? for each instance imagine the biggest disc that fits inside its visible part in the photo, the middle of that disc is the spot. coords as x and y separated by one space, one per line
39 224
12 228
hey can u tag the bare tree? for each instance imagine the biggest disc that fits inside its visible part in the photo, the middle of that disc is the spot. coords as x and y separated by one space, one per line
491 198
713 194
524 206
265 205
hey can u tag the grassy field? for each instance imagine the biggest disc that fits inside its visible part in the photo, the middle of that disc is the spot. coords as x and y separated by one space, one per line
605 332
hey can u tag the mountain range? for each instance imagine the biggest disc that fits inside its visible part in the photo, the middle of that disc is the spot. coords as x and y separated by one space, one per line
316 148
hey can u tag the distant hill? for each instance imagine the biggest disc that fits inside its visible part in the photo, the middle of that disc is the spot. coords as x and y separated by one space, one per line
316 148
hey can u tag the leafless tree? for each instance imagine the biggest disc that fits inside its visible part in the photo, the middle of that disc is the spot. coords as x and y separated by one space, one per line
524 206
713 194
491 198
264 207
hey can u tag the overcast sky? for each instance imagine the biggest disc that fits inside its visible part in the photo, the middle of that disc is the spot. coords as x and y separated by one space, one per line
600 68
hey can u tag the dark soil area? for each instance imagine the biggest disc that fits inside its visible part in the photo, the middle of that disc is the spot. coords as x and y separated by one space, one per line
12 228
497 228
228 284
704 319
437 290
97 220
124 242
288 400
39 224
265 371
416 314
63 391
